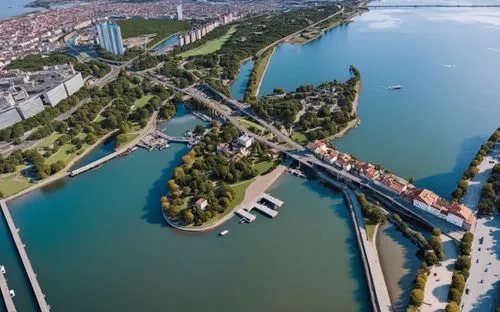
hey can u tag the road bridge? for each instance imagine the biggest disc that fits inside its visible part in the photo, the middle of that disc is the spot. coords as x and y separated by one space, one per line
4 288
37 290
397 6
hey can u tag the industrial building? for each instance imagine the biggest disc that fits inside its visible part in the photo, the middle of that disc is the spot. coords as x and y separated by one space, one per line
25 94
110 37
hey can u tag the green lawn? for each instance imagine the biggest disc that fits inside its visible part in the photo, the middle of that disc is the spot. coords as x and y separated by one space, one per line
13 183
162 28
210 46
142 101
62 153
247 124
239 193
263 166
299 137
46 142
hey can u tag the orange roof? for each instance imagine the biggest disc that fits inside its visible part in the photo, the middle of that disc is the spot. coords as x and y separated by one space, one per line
393 184
426 196
461 211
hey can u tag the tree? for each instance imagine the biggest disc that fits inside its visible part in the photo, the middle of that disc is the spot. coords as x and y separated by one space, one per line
452 307
458 282
463 262
199 129
420 281
188 217
417 297
431 258
454 295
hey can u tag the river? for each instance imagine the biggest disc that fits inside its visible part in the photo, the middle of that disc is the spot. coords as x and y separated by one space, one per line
98 243
9 8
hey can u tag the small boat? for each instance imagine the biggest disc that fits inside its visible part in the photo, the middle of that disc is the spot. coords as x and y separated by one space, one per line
224 233
2 269
396 87
12 293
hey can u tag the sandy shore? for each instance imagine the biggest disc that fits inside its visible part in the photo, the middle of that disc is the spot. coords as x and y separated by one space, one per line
254 190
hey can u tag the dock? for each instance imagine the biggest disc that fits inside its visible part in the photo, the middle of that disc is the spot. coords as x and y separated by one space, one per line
296 172
264 209
245 214
37 290
7 299
273 200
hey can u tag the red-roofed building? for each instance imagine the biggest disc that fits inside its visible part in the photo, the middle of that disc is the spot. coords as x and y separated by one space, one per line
391 183
369 172
343 161
331 157
317 147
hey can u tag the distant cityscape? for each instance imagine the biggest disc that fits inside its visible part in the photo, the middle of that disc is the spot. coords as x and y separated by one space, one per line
41 32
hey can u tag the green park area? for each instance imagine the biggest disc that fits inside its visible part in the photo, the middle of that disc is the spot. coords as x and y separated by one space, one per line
142 101
210 46
299 137
162 28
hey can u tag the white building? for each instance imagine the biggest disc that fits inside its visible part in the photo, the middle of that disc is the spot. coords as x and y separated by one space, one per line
201 203
110 37
245 140
179 13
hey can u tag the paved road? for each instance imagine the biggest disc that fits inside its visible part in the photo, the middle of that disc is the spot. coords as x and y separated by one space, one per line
438 282
484 280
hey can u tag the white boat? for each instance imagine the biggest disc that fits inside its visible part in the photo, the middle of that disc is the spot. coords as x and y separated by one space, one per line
12 293
2 269
223 233
395 87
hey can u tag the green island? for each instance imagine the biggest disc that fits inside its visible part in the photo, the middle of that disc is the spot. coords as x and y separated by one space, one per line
161 28
310 112
214 176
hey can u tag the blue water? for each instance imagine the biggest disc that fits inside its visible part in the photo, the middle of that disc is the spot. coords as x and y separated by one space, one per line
169 42
432 128
10 8
239 86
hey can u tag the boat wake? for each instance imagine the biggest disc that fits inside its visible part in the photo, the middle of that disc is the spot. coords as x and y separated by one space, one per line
448 65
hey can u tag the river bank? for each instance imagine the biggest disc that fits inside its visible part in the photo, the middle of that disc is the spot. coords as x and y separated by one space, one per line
258 72
259 185
65 172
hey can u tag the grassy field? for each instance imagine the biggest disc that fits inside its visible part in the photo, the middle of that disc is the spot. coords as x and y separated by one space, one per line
162 28
263 166
210 46
239 193
142 101
14 182
299 137
46 142
247 124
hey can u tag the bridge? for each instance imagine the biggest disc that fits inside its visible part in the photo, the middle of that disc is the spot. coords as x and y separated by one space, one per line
7 299
37 290
388 6
175 139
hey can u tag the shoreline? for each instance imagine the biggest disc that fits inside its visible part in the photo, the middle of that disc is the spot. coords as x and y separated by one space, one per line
257 187
65 172
261 79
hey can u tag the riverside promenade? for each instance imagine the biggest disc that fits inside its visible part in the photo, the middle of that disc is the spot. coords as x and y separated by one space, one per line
379 293
37 290
7 299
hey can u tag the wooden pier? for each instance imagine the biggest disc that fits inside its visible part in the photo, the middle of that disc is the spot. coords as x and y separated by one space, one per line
7 299
37 290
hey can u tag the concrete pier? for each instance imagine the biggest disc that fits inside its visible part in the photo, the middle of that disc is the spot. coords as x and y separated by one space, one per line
7 299
268 211
245 214
273 200
37 290
96 163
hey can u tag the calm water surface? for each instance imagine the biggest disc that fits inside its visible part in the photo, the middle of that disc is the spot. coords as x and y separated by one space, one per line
98 243
239 86
448 62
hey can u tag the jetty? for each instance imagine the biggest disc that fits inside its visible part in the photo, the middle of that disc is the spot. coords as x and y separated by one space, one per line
7 299
244 212
174 138
273 200
37 290
245 215
97 163
296 172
